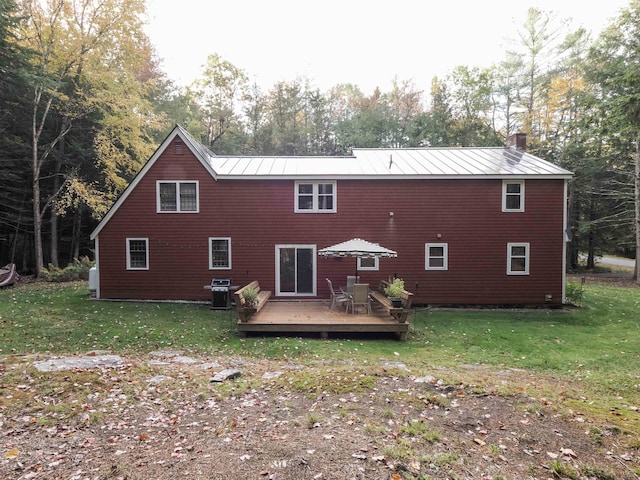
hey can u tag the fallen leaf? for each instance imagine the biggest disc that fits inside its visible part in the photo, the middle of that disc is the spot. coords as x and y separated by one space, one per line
480 442
396 476
143 437
568 452
552 455
13 453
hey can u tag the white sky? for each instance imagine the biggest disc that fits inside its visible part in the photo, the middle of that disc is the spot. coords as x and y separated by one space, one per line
363 42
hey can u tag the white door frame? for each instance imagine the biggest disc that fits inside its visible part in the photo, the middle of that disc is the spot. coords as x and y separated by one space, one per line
311 247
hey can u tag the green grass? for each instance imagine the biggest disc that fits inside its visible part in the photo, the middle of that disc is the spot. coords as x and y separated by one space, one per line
598 343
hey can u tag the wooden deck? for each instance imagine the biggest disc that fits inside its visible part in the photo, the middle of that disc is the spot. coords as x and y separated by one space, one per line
315 317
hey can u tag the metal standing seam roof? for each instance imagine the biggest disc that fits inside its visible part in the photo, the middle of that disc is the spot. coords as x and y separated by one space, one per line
392 163
382 163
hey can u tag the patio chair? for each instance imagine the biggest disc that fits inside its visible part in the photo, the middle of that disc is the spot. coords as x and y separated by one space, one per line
351 281
336 297
360 298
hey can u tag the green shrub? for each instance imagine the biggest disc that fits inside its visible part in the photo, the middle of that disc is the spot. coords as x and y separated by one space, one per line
574 293
78 270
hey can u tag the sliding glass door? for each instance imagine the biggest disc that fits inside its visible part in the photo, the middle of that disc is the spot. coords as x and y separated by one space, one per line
296 270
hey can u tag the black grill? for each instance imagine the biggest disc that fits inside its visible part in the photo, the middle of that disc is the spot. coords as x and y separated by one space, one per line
220 294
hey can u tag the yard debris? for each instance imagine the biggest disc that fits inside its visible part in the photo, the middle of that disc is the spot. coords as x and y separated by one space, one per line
155 421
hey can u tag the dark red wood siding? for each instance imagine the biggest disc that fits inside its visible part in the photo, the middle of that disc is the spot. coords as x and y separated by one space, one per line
259 214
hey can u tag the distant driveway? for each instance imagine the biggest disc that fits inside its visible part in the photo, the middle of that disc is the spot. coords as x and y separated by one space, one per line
619 262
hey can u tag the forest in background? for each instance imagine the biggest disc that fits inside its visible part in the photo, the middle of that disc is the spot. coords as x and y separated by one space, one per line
84 103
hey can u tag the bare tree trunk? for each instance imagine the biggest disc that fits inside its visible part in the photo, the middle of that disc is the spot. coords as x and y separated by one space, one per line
591 253
75 238
37 215
637 205
53 248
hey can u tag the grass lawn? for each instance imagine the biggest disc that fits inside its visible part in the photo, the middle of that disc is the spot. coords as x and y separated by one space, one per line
516 390
598 344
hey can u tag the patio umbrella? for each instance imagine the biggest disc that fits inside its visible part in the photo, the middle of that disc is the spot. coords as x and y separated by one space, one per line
356 247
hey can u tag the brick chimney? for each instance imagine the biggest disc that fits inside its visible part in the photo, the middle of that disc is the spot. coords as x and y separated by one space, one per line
518 140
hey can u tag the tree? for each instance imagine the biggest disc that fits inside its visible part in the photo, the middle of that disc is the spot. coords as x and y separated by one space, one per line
507 82
472 107
14 72
539 38
405 104
218 93
435 125
76 46
614 66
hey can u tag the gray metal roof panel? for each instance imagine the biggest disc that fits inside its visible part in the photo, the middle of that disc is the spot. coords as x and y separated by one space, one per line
391 163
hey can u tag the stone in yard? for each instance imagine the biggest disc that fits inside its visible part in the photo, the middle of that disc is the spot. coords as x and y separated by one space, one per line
80 362
398 365
159 379
227 374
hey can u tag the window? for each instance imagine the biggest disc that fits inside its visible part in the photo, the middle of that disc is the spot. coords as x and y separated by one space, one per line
137 254
177 196
220 253
513 196
315 197
368 263
436 256
517 259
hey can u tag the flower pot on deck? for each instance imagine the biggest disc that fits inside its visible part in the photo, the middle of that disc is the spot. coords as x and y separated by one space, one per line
396 302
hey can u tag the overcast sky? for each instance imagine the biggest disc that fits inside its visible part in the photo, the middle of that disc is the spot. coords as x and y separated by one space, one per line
349 41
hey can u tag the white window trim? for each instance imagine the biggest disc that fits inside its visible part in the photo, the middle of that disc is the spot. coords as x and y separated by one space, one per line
504 195
315 208
211 239
129 240
445 253
527 255
177 183
376 264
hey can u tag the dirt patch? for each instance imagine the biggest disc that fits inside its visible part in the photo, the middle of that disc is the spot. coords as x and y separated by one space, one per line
165 420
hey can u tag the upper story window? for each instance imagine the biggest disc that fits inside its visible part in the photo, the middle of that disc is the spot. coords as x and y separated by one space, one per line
436 256
137 254
315 197
513 196
177 196
517 258
220 253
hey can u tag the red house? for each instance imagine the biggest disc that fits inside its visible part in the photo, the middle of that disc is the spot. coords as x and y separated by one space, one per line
470 225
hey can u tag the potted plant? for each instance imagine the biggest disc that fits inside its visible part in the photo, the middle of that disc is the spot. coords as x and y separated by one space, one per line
250 296
394 292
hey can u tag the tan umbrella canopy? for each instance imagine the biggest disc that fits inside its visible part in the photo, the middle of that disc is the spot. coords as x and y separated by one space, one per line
356 247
